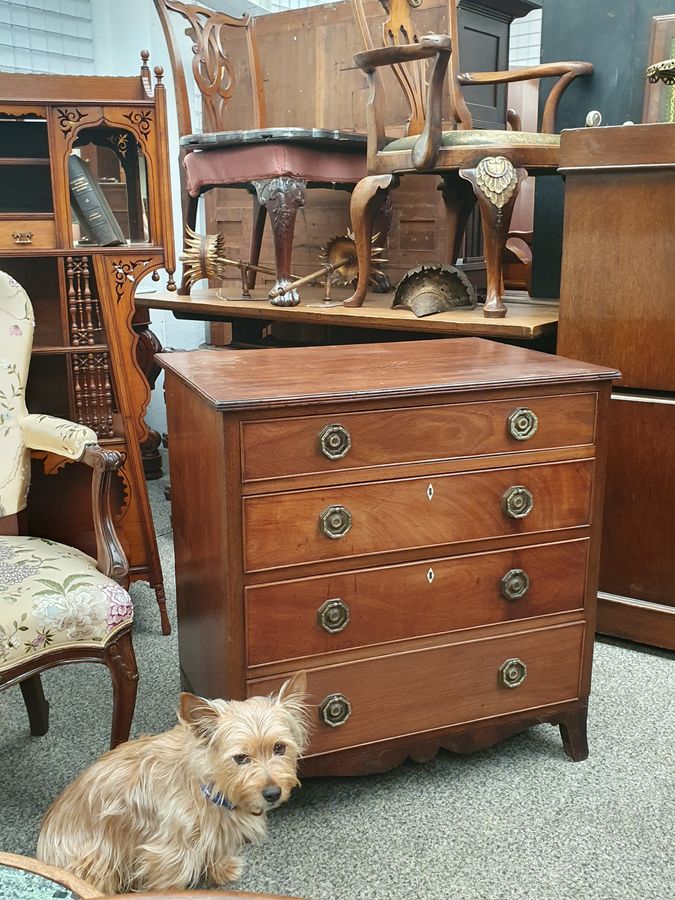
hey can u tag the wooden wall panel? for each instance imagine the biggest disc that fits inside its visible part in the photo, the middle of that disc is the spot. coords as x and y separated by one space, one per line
311 81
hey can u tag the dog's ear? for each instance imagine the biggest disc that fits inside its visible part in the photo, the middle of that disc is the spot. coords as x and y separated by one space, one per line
198 713
294 688
292 698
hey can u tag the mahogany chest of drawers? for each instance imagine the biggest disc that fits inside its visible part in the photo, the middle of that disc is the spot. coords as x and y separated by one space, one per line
414 524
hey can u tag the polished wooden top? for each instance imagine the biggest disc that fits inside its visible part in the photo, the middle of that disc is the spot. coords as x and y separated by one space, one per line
270 378
650 146
524 320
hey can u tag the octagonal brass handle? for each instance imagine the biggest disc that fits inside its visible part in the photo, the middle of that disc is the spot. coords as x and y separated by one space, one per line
335 521
333 616
522 423
517 502
335 710
334 441
515 584
512 673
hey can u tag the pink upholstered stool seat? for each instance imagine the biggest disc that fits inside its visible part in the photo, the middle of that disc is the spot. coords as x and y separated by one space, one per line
234 165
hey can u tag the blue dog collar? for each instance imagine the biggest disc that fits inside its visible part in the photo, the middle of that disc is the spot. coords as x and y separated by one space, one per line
217 798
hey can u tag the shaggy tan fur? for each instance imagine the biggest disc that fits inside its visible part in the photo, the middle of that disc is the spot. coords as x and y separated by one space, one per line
138 818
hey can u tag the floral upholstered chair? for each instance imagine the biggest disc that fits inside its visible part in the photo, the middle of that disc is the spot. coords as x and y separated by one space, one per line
57 605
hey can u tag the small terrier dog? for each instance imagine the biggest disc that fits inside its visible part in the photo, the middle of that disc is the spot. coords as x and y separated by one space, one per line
172 810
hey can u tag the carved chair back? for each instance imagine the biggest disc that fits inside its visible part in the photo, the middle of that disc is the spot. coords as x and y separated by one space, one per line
212 67
16 341
399 29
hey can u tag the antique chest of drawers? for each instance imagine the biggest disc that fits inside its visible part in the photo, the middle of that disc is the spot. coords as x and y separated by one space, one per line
413 524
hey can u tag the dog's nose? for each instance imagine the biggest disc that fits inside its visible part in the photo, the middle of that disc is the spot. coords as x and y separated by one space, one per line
271 793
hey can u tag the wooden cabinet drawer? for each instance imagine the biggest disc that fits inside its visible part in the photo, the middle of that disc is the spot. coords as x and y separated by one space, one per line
285 529
423 690
283 447
27 234
309 616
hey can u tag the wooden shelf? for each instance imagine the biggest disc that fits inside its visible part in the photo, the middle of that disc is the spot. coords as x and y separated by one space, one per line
23 161
56 350
526 319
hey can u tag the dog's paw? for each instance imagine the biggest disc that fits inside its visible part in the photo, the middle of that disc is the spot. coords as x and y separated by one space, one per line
229 871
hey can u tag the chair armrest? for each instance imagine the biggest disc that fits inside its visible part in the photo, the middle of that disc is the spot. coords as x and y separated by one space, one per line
110 557
430 46
56 435
78 442
566 72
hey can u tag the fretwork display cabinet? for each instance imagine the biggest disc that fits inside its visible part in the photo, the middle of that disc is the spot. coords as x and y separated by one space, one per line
80 248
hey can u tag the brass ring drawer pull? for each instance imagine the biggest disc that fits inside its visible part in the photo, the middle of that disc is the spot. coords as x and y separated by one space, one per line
333 616
517 502
515 584
512 673
22 237
334 441
335 710
522 423
335 521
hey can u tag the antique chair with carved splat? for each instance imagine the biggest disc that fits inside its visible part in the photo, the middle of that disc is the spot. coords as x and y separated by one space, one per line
476 165
57 605
275 165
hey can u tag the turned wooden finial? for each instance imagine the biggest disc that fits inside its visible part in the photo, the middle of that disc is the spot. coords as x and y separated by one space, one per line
145 73
159 74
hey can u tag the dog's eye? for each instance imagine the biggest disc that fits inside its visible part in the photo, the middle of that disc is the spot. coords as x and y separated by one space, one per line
241 759
279 749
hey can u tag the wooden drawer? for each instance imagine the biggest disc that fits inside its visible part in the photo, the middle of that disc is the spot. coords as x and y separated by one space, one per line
285 529
424 690
308 616
27 234
283 447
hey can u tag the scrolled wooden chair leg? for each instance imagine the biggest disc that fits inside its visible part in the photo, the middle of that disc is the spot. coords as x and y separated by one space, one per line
496 184
121 661
368 197
37 705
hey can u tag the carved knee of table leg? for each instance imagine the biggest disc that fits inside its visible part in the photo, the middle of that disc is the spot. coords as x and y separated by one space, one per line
496 184
367 199
282 198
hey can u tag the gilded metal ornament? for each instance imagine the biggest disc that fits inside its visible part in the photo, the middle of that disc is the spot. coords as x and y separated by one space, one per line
430 289
340 266
661 71
497 179
204 257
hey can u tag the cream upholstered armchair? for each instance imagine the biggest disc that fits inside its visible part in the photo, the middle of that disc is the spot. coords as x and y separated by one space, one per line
57 605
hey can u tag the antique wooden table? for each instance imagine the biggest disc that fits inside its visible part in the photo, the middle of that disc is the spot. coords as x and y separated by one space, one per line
415 524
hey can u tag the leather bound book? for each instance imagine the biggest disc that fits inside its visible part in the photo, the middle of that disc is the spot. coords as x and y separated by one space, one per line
91 207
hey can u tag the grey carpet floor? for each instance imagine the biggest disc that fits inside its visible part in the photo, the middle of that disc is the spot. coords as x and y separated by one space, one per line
516 822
